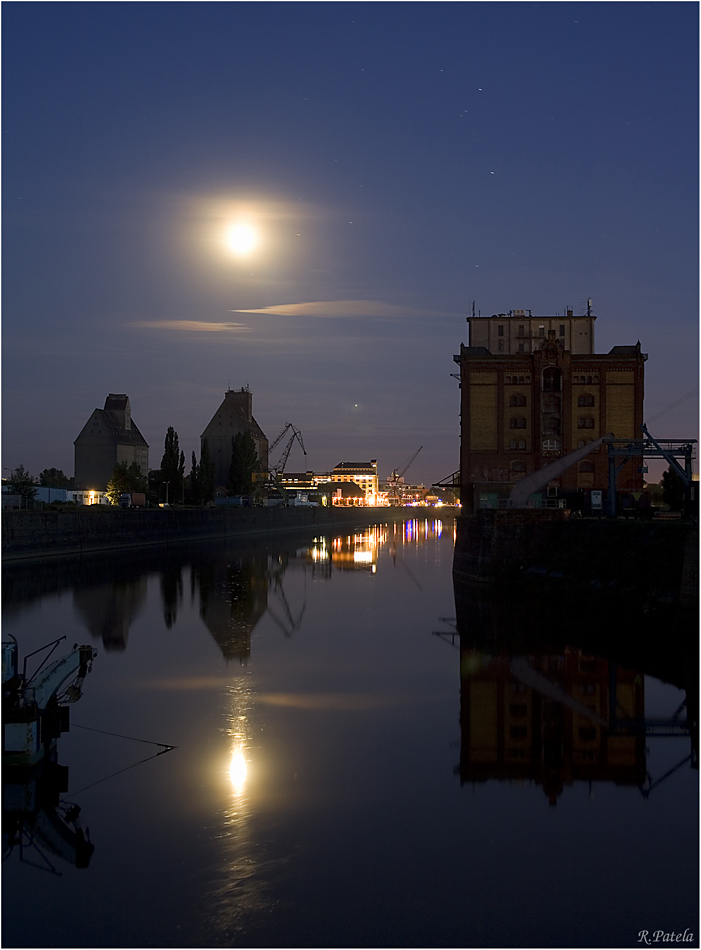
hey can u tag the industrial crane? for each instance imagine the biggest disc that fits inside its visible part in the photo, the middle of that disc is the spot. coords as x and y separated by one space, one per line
393 480
296 434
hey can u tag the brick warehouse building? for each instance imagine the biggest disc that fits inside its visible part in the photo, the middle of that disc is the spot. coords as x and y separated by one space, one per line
543 394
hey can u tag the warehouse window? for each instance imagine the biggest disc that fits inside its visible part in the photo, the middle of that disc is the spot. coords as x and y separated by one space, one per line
585 422
586 399
552 380
517 422
517 399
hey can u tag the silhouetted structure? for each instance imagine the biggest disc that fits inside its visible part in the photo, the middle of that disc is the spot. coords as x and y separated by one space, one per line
108 437
233 416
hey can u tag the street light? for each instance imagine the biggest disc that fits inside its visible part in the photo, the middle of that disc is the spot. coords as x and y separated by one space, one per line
166 485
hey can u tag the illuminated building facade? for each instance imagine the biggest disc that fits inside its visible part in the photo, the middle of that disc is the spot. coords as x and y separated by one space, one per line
542 394
110 436
363 474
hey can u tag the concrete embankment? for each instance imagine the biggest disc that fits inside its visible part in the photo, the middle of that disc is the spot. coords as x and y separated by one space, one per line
41 534
655 562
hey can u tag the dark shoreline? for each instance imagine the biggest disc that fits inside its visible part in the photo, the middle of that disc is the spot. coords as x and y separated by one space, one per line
34 535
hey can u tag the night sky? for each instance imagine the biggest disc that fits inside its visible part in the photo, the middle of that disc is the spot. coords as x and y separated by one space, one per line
396 160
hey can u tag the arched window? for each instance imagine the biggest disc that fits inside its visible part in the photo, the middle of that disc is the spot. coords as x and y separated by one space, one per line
552 380
585 422
586 399
517 422
517 399
551 445
518 467
507 380
587 380
586 466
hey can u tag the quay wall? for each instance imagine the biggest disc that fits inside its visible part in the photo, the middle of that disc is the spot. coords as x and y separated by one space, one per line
647 561
42 534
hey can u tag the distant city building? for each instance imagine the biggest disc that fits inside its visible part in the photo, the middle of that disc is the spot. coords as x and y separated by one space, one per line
234 416
397 492
108 437
363 474
300 480
523 408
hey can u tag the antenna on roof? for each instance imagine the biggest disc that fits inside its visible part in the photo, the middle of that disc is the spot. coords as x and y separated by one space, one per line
473 308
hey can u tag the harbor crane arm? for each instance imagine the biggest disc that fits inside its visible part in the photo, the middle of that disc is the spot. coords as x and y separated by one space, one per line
296 434
397 474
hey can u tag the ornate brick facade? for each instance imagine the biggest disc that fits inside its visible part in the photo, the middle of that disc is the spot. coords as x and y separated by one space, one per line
520 411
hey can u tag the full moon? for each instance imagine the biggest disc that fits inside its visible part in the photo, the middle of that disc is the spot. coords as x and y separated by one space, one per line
242 239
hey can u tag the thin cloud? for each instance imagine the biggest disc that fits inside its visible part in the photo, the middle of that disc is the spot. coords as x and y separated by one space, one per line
191 326
346 308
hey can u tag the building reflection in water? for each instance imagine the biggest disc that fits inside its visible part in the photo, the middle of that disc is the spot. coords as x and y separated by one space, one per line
233 598
234 592
547 718
535 708
108 610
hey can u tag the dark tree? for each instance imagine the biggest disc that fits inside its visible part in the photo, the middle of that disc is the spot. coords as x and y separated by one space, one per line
22 483
125 478
54 478
194 481
672 490
173 466
201 478
244 462
205 475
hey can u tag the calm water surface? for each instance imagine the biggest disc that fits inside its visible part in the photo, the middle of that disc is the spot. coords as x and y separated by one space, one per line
348 770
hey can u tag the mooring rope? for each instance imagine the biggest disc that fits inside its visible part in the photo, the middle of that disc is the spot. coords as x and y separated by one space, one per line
126 769
104 732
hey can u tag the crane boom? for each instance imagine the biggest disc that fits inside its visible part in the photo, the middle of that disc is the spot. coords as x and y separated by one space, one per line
296 434
410 460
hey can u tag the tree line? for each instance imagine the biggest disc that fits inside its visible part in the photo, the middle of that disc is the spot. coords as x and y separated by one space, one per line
170 485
